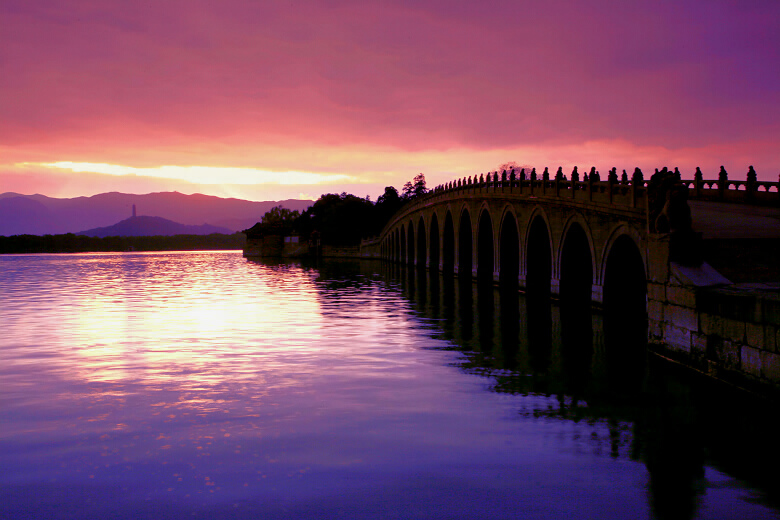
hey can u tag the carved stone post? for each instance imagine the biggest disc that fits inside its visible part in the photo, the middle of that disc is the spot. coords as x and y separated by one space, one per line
723 182
750 187
697 181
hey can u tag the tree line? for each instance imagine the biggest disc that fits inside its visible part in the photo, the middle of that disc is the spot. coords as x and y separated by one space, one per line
340 219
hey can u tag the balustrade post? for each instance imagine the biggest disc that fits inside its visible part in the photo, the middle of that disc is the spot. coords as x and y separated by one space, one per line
575 178
750 186
637 180
590 188
697 182
522 180
723 182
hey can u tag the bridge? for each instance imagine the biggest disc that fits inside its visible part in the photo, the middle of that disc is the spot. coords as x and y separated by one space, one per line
624 243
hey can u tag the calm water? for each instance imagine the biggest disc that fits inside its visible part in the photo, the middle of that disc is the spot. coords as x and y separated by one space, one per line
171 385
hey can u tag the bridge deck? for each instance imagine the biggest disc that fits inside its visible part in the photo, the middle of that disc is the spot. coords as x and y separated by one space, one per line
722 220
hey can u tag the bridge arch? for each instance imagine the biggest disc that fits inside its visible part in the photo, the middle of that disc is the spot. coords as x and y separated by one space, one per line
402 242
434 260
465 243
573 221
422 250
448 244
576 262
536 212
509 248
624 274
410 243
538 256
398 245
621 230
485 245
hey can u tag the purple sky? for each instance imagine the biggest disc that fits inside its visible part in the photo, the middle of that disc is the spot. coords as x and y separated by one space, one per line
357 95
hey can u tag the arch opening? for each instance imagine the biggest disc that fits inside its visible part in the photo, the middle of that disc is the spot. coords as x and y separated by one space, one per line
464 246
434 244
410 245
576 268
509 251
538 260
421 248
402 243
576 278
448 246
625 283
537 288
625 315
485 248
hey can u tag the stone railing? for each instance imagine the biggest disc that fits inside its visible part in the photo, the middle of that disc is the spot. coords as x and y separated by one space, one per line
613 190
621 192
631 195
749 191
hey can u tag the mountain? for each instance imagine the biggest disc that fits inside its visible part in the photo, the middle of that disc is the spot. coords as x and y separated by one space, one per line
42 215
152 226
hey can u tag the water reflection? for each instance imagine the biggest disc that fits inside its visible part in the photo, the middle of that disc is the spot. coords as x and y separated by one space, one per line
592 368
204 385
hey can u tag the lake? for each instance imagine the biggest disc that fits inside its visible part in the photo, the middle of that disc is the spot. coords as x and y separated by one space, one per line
206 385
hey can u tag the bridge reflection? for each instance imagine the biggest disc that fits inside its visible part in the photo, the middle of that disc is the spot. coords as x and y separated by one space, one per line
592 366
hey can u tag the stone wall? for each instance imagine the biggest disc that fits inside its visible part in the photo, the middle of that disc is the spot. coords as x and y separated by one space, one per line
698 317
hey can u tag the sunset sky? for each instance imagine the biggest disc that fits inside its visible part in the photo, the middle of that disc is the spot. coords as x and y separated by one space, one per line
269 100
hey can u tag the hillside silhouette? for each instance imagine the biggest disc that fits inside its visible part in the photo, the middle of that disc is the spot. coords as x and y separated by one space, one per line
152 226
42 215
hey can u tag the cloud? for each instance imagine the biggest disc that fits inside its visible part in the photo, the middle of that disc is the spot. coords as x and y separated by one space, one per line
203 174
381 90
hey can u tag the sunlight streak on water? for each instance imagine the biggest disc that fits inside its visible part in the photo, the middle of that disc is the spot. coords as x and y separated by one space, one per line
151 384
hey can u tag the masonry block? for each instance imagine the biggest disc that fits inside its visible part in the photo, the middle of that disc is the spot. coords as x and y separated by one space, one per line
771 311
681 296
655 310
770 366
751 361
656 291
777 339
658 253
754 336
699 345
677 338
710 325
728 354
682 317
734 330
655 330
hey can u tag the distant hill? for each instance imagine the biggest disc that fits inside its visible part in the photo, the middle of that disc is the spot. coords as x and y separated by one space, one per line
152 226
41 215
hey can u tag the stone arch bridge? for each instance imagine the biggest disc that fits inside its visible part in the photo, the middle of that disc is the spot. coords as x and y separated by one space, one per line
520 232
508 229
620 243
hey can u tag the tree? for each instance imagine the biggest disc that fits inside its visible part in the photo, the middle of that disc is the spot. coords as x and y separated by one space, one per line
513 165
280 215
390 196
415 187
408 190
276 221
340 219
419 185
